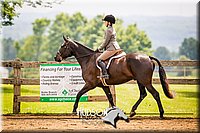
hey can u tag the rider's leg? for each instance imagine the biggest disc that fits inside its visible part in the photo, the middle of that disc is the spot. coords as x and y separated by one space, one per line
100 61
103 68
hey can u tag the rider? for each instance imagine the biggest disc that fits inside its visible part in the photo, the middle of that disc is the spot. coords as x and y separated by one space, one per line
109 45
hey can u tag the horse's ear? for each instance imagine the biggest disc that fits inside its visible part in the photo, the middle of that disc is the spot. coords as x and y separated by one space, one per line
65 39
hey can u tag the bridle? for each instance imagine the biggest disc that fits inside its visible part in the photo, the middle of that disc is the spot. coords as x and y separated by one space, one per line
59 53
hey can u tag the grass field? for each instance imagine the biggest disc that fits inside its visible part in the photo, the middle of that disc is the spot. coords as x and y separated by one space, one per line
185 103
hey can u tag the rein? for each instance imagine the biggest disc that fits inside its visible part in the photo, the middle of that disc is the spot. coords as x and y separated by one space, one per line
85 55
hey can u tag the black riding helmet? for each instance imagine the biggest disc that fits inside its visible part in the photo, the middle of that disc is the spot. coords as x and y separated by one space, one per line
109 18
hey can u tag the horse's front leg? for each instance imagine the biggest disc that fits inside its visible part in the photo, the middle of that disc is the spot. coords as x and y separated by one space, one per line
109 95
85 89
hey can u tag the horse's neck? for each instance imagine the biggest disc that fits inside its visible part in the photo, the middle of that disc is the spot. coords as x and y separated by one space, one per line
82 54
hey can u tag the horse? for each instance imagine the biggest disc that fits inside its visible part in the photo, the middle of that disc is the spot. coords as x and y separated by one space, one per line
132 66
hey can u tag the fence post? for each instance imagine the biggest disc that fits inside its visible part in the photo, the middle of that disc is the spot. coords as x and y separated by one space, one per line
112 90
17 85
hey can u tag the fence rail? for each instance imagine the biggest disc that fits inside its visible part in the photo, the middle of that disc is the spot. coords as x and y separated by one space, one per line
17 81
25 81
36 64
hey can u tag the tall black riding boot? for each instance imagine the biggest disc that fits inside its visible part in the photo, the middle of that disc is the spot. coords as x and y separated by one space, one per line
103 68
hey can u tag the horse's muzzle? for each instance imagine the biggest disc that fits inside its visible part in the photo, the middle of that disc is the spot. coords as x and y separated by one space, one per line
58 60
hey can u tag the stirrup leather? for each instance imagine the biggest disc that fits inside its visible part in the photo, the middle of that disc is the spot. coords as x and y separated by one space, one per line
103 79
105 76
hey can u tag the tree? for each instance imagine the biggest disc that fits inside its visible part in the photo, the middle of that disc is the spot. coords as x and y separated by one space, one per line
174 55
9 51
8 11
28 51
39 28
64 24
76 23
130 39
9 7
17 47
189 48
162 53
92 32
186 71
36 42
47 37
134 40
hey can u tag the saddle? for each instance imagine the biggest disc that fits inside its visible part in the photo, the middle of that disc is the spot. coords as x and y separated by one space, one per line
115 56
108 62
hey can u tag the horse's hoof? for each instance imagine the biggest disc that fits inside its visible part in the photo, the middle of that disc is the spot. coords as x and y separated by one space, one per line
162 118
127 120
132 114
74 113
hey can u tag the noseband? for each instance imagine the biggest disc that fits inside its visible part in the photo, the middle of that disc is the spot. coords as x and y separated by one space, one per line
58 53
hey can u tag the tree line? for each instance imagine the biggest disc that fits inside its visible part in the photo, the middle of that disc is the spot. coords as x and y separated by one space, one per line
46 39
187 51
47 35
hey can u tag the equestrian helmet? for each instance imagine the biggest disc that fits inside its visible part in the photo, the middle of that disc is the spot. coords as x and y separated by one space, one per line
109 18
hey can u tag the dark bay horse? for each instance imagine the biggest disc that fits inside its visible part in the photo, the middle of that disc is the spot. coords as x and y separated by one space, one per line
133 66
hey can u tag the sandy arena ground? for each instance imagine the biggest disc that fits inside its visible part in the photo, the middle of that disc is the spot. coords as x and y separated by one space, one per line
29 123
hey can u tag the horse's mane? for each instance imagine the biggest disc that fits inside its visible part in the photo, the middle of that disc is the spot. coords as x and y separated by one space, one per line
83 46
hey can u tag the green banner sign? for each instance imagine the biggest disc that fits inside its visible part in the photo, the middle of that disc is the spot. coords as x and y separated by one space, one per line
61 82
63 99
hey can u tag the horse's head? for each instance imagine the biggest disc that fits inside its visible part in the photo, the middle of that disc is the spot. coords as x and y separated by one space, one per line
64 51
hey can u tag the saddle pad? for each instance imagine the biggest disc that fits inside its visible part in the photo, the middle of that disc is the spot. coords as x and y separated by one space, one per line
113 57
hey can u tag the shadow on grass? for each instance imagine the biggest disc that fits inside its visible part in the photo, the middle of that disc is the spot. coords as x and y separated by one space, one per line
189 94
23 90
6 90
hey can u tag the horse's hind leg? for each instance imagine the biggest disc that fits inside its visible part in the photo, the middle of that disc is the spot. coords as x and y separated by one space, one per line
109 95
156 96
143 94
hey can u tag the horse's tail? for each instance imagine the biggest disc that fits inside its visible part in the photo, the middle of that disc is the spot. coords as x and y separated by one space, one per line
163 79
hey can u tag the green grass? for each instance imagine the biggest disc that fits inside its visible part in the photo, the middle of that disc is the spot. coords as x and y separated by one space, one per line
185 103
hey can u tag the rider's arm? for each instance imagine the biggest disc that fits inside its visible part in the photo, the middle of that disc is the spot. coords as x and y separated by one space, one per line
107 38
